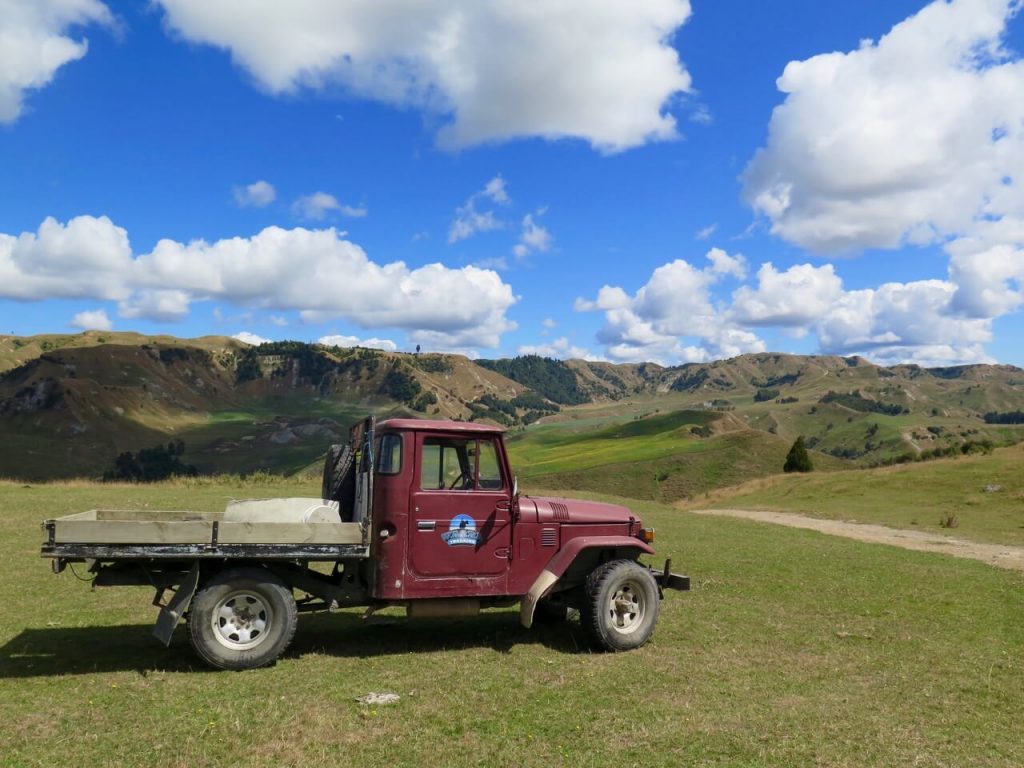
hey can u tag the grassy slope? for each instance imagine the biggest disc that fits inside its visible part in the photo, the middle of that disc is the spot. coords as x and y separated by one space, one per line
117 393
658 457
118 397
15 350
793 649
907 496
954 403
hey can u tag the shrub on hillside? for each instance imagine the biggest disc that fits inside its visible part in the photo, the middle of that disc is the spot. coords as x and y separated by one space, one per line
151 464
400 385
1009 417
433 363
424 401
857 402
248 368
551 378
797 459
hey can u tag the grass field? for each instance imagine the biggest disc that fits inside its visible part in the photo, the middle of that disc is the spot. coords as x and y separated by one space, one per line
917 496
792 649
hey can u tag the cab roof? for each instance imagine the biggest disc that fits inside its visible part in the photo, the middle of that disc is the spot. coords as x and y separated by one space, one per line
436 425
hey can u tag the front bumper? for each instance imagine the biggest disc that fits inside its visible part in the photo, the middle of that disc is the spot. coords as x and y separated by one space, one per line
668 580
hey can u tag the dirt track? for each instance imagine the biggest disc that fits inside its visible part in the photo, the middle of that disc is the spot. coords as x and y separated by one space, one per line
1002 556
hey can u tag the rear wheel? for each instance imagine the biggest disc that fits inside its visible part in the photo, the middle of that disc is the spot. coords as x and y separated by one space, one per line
242 619
621 606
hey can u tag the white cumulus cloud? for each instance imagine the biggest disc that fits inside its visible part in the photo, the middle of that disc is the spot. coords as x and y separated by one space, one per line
532 238
916 138
561 349
602 71
354 341
317 205
706 232
88 257
672 318
796 297
317 273
468 220
164 306
911 138
92 320
250 338
723 263
35 42
257 195
904 322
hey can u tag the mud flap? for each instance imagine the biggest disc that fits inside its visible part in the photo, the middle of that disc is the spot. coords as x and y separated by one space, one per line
540 587
171 613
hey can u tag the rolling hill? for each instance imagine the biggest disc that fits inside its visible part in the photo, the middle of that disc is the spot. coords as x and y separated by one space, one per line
70 404
72 408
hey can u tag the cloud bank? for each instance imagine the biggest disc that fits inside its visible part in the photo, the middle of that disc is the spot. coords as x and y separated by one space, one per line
315 272
35 43
603 71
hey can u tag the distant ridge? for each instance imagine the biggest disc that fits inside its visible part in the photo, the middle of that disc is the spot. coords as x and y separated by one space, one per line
69 403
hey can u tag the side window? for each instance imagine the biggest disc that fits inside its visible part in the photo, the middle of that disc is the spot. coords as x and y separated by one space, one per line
446 464
490 468
389 455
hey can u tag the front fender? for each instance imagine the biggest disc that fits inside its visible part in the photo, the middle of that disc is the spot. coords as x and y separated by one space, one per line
560 564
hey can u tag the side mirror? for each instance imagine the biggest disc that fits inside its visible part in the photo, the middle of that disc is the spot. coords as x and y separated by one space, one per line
515 487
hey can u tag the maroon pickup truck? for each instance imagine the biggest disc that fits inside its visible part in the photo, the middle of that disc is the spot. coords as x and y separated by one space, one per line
421 514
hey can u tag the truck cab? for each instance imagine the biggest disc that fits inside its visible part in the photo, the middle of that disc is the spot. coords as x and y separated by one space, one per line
448 520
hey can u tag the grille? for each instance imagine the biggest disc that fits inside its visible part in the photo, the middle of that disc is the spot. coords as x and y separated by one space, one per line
549 537
560 511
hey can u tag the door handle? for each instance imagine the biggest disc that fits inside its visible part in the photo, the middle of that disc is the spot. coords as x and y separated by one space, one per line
510 506
425 525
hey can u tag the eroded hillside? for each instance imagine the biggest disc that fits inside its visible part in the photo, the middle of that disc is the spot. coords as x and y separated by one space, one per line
69 404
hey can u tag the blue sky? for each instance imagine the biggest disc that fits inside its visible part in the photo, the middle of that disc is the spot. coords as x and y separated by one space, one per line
656 180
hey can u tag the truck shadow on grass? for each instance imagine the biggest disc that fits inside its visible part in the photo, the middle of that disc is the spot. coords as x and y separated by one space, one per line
51 651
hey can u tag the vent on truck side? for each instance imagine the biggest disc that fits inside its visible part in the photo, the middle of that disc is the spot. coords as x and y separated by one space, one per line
549 537
560 511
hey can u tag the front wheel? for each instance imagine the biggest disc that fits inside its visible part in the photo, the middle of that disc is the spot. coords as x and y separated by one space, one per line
242 619
621 605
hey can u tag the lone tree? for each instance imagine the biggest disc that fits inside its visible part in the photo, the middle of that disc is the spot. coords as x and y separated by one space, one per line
797 459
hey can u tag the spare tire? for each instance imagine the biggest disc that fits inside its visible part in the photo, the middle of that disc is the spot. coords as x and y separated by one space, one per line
340 477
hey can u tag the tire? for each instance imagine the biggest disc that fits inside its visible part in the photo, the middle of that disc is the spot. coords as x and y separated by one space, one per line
621 606
242 619
339 483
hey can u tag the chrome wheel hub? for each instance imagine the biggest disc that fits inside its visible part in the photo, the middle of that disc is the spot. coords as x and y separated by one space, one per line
241 620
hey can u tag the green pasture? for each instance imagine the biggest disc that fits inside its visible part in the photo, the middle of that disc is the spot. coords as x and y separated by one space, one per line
793 649
549 449
981 496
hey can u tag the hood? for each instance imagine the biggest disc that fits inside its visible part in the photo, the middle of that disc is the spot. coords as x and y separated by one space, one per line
556 510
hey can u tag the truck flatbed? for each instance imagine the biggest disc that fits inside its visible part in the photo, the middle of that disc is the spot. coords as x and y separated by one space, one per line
112 534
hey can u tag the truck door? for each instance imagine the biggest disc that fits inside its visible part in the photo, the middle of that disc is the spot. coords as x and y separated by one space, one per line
461 519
